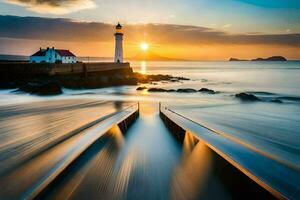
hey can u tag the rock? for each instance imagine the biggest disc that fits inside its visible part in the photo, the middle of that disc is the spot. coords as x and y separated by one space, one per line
160 90
246 97
8 85
171 90
141 88
157 90
43 89
206 90
147 78
183 79
186 90
261 93
276 101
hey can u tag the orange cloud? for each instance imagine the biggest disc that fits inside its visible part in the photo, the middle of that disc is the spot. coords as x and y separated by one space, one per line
23 35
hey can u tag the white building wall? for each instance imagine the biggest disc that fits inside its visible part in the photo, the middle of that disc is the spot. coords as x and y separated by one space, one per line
36 59
119 48
69 59
51 57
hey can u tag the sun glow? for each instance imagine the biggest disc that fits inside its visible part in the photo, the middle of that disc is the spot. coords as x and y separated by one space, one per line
143 67
144 46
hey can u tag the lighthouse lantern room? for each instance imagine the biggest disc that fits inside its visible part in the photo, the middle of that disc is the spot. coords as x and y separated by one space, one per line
119 44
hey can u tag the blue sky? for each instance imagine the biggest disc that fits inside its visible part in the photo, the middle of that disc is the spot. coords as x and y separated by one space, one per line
237 16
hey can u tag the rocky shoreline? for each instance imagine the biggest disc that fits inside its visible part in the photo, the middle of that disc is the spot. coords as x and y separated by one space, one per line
243 96
181 90
45 86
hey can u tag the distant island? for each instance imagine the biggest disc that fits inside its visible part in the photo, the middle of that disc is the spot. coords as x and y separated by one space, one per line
273 58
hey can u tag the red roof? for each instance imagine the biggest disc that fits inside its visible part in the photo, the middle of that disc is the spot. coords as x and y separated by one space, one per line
41 52
61 52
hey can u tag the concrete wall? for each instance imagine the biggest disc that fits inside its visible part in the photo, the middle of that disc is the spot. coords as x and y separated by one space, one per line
49 69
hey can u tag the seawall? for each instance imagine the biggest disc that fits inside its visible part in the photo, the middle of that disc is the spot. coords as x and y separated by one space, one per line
77 75
50 69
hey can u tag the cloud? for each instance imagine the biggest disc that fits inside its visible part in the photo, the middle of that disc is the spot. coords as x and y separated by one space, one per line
54 6
226 25
66 30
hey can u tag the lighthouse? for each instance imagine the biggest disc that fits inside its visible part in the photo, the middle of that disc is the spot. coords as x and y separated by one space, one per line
119 44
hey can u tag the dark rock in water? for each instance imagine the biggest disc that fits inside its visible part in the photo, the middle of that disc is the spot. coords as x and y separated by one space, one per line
186 90
246 97
206 90
157 90
43 89
141 88
160 90
276 101
8 85
147 78
171 90
261 93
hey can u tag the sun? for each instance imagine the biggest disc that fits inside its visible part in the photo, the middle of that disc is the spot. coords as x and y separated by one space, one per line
144 46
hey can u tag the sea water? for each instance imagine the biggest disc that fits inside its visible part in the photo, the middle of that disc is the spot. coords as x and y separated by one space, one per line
270 127
149 154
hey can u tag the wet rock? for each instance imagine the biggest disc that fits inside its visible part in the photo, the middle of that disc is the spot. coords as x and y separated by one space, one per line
206 90
276 101
246 97
43 89
8 85
147 78
160 90
157 90
261 93
171 90
141 88
186 90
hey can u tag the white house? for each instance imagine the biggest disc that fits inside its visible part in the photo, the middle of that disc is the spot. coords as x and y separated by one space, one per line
51 55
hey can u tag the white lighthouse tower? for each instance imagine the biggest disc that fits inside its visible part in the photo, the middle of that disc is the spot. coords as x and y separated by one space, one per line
119 44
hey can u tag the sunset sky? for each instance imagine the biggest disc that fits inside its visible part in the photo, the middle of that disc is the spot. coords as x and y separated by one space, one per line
187 29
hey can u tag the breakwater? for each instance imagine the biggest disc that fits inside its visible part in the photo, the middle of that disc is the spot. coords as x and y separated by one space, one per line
50 69
31 77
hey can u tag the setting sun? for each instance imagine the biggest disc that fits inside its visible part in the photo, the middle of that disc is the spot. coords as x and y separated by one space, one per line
144 46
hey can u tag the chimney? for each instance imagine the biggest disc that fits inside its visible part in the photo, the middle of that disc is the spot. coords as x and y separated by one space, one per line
40 48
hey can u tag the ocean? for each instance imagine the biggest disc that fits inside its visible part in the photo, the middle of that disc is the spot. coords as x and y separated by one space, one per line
269 127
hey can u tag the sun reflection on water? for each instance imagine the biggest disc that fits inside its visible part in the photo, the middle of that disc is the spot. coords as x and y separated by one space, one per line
143 67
